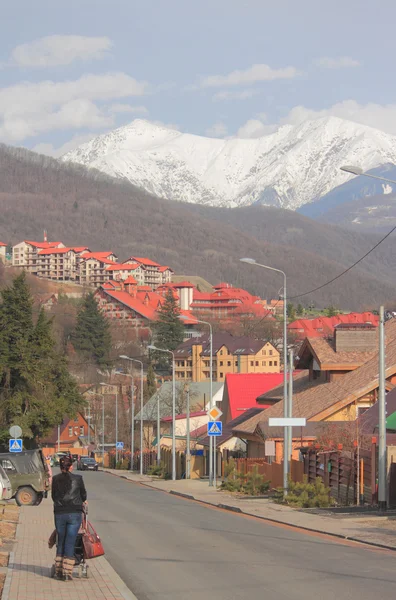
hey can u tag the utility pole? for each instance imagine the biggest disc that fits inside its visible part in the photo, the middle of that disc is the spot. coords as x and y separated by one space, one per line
382 417
158 431
188 450
116 425
132 421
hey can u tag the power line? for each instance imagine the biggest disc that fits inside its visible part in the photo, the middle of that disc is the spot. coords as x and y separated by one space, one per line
346 270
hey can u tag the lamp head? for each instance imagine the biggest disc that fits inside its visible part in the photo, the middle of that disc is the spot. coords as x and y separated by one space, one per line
151 347
352 169
124 357
249 261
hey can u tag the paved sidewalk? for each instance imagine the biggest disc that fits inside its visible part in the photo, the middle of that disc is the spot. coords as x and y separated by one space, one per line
28 576
367 528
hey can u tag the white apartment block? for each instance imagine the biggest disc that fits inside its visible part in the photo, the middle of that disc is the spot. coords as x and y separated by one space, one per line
25 254
154 274
121 272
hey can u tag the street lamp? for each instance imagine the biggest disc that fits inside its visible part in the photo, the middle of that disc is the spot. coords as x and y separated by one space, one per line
359 171
151 347
286 408
212 441
124 357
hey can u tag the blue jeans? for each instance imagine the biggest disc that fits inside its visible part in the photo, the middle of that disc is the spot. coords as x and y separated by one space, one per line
67 526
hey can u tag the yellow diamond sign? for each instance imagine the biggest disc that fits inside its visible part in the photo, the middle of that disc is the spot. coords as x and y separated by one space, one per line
214 413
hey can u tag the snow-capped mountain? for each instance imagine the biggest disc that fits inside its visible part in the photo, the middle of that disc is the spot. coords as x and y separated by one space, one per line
289 168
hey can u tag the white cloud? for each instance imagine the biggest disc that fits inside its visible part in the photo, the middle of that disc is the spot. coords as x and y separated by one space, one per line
342 62
379 116
56 50
228 95
127 108
218 130
253 74
50 150
28 109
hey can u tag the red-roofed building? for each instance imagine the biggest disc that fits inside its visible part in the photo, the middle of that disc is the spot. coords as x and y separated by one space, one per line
323 327
3 251
56 263
25 254
242 390
135 305
154 273
92 267
122 272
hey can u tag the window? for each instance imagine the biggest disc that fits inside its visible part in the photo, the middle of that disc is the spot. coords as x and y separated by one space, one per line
251 363
264 352
70 431
270 363
221 363
257 363
221 353
81 429
264 363
76 420
221 375
275 363
270 352
228 363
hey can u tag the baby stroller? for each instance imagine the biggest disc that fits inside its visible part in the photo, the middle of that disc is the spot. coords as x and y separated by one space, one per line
79 556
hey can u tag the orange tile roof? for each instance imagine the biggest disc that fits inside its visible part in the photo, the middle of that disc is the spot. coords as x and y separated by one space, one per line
134 303
162 269
3 244
42 244
97 254
79 248
130 279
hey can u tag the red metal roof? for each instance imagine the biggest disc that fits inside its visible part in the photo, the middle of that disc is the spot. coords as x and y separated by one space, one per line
55 250
244 388
123 267
201 413
144 261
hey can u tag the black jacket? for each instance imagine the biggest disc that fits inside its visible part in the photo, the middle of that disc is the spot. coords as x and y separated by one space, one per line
71 501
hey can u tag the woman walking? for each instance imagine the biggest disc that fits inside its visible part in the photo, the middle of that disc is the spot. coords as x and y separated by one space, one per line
69 496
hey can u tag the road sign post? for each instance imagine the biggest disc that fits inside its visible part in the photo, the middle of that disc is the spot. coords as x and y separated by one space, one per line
215 428
15 445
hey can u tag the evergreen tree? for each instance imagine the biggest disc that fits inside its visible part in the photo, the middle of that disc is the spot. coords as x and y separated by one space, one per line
36 388
169 329
300 310
291 311
331 311
150 386
92 337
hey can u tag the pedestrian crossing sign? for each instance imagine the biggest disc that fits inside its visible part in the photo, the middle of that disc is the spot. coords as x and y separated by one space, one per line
120 445
215 428
15 446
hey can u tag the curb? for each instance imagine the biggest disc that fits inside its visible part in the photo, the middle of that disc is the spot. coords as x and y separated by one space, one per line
238 510
122 588
7 583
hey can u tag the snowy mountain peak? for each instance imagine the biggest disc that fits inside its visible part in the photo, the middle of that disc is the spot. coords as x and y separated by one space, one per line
289 168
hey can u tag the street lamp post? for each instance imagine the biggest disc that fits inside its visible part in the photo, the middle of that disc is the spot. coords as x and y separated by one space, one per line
124 357
151 347
286 431
212 440
116 426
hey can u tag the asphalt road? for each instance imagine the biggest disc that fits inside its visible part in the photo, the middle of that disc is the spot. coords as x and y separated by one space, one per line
165 547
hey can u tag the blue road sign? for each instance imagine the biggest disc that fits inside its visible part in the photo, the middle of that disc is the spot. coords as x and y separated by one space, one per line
215 428
15 446
120 445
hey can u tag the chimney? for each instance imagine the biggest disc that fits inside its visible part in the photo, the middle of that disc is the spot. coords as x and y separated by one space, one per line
45 236
355 337
130 285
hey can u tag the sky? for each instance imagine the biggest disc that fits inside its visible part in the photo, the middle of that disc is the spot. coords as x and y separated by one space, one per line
222 68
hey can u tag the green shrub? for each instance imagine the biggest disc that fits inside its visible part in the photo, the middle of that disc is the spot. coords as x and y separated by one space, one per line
306 495
252 484
158 471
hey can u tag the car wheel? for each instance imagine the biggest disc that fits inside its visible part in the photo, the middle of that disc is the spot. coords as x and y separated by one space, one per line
26 496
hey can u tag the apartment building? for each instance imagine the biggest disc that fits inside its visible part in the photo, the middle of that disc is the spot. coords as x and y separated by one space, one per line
92 268
230 355
25 254
56 263
154 273
121 272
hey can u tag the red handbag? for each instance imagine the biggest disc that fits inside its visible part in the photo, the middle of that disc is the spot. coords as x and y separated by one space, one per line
92 544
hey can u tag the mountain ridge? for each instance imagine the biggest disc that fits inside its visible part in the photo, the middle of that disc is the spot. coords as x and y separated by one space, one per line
287 169
84 207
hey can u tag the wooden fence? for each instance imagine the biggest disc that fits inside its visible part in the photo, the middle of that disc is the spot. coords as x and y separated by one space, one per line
272 472
349 475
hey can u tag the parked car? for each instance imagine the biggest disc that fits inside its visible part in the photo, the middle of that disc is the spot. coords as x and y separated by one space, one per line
5 485
87 464
29 475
